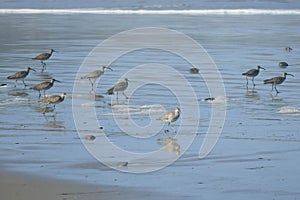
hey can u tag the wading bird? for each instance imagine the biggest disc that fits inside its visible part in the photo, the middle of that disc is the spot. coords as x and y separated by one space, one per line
119 87
277 80
170 117
44 56
94 75
44 86
20 76
54 99
252 73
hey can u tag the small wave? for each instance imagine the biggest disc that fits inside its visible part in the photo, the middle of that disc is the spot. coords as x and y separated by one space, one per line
12 102
125 110
159 12
289 110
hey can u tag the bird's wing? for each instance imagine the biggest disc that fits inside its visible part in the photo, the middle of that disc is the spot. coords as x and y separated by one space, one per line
41 56
270 81
93 74
120 86
50 99
249 72
40 85
17 75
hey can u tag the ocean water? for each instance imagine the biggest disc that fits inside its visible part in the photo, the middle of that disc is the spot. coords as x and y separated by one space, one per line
258 150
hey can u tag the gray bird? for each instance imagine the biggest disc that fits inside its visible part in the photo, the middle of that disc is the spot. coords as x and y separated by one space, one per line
277 80
170 117
44 56
252 73
94 75
119 87
20 76
54 99
44 86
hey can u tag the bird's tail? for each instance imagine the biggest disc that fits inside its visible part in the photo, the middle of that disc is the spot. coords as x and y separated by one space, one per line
244 74
110 91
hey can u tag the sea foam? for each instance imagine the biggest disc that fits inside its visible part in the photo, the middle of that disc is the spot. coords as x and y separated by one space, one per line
157 12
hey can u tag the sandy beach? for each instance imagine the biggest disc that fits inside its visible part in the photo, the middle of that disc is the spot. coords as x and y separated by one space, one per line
22 186
56 155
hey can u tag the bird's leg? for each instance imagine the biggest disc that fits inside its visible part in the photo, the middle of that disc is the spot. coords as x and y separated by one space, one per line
45 109
253 81
117 96
40 94
43 65
272 87
247 81
173 128
44 93
125 95
16 83
276 89
24 83
166 129
91 84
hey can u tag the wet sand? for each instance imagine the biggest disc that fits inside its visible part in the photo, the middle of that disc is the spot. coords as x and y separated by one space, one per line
21 186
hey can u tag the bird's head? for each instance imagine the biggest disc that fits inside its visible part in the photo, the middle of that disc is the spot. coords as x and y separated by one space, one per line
259 67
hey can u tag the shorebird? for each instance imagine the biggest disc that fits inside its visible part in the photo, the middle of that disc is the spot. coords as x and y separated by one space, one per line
252 73
20 76
119 87
94 75
44 86
288 49
44 56
283 64
194 70
54 99
277 80
170 117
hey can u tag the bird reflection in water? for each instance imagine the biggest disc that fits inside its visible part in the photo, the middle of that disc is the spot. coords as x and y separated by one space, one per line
170 145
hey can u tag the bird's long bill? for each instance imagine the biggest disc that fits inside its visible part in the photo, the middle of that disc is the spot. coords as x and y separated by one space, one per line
57 81
290 74
263 68
55 51
109 68
32 69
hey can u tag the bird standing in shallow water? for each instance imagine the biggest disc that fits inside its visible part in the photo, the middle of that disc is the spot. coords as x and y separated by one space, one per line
54 99
44 86
119 87
95 74
20 76
44 56
252 73
170 117
277 80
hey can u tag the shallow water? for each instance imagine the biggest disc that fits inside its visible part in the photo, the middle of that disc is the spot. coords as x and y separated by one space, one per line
257 154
